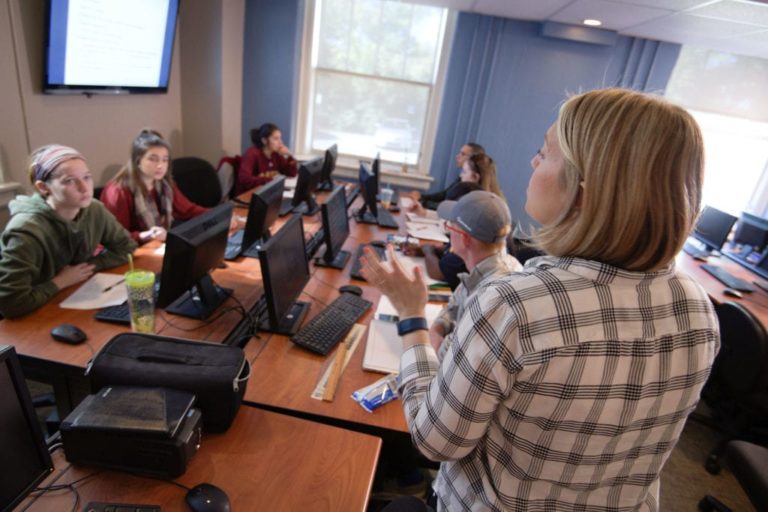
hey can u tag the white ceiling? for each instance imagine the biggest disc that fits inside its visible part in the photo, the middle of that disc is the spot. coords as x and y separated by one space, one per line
736 26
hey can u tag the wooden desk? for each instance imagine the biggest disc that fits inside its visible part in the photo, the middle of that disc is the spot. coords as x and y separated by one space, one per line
284 375
265 461
756 302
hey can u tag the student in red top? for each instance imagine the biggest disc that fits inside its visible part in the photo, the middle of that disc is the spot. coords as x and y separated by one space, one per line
265 159
142 196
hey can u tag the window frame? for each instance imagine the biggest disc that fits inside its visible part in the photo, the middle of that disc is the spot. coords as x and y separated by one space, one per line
347 164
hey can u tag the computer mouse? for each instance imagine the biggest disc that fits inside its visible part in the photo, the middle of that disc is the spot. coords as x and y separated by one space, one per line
68 333
207 498
733 293
378 243
351 288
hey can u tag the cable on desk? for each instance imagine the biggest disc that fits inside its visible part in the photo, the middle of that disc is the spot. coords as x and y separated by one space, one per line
71 486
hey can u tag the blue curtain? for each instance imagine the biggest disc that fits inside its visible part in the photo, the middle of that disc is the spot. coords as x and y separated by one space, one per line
505 82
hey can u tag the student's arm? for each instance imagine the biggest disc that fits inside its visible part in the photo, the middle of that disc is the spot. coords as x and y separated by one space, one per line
119 201
183 208
20 265
247 172
117 242
287 165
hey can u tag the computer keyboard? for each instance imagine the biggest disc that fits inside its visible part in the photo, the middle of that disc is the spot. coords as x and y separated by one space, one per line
235 247
286 206
728 279
115 314
330 326
385 219
352 192
695 252
354 272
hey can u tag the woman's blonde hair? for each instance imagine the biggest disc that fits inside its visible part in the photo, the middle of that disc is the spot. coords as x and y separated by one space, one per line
634 166
484 166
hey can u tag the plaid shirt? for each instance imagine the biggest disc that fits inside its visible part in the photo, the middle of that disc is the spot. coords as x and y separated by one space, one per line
566 388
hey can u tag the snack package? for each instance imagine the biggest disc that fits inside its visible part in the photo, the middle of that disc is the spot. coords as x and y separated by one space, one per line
377 394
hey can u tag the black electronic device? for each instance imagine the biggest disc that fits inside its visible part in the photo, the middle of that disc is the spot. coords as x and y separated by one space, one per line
329 165
263 211
728 279
370 213
354 272
85 53
713 228
22 444
68 333
285 272
303 200
752 230
192 250
101 506
332 324
351 288
152 431
207 498
335 230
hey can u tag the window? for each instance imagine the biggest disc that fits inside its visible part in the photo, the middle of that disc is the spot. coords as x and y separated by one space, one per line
371 81
726 95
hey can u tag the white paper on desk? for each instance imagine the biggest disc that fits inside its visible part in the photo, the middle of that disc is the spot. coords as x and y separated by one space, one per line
383 348
291 182
91 296
288 193
430 217
408 263
424 231
160 251
385 307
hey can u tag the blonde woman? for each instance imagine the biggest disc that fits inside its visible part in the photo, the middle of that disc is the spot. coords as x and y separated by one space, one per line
566 386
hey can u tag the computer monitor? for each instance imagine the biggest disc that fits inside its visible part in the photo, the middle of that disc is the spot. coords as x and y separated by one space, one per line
23 453
713 227
263 211
752 231
192 250
285 272
369 188
335 230
329 164
304 195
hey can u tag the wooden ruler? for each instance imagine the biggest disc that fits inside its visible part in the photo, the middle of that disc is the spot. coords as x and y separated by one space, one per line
326 386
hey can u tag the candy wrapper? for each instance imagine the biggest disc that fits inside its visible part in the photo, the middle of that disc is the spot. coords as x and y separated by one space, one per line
377 394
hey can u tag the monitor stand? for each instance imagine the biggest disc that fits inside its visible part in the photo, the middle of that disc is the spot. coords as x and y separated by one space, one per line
339 262
307 208
290 323
201 301
325 186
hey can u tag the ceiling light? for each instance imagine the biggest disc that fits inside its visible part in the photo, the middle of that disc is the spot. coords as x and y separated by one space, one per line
592 22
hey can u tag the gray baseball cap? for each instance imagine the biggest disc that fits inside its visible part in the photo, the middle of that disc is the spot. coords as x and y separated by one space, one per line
482 214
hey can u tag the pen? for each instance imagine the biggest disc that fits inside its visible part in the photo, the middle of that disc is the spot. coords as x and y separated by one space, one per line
105 290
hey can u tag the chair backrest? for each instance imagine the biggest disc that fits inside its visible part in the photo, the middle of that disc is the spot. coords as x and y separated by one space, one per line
741 366
227 173
197 179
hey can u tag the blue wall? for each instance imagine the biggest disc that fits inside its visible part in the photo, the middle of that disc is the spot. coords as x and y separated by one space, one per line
271 65
505 83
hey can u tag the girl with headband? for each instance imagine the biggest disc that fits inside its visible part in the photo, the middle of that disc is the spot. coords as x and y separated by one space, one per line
58 236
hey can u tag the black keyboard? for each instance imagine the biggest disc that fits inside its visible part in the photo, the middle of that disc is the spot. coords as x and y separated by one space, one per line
354 273
695 252
115 314
286 206
332 324
385 219
728 279
235 247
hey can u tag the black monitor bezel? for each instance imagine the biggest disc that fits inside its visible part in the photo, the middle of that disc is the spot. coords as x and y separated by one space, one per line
337 199
306 185
177 278
274 285
263 211
10 360
369 188
706 213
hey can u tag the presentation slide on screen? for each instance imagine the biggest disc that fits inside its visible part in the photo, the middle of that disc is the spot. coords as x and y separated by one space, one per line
115 42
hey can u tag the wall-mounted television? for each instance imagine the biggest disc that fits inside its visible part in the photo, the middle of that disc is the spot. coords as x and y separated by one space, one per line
109 46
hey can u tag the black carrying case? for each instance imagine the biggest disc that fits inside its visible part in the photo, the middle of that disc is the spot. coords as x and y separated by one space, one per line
217 374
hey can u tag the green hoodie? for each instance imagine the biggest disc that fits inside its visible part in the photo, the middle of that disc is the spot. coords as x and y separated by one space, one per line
37 243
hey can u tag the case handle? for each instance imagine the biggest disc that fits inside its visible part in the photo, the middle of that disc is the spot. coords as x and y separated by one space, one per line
159 357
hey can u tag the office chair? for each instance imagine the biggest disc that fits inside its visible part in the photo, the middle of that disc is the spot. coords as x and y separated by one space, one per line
197 179
737 389
749 464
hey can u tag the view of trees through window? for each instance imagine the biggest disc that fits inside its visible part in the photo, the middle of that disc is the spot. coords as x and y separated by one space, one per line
374 66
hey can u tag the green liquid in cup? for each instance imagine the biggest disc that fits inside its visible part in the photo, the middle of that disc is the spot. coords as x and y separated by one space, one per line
141 300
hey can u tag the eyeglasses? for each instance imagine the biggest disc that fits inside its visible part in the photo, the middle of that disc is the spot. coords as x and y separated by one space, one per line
451 227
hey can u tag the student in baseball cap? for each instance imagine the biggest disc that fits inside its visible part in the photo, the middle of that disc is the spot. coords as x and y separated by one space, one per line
478 225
